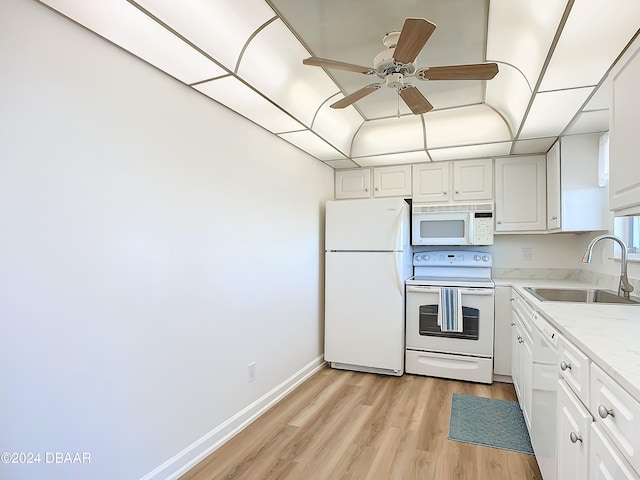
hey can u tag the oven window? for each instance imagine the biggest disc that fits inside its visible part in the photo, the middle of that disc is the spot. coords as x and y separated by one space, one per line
442 229
428 323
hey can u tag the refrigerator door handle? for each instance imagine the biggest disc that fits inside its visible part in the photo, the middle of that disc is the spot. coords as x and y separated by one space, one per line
399 230
396 268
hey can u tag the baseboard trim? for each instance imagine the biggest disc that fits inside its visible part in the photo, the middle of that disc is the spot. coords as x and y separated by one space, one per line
181 463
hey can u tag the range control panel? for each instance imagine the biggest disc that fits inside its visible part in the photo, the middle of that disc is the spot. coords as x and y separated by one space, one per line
445 258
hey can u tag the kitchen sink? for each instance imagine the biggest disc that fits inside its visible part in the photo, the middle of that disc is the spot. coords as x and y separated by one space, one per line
581 295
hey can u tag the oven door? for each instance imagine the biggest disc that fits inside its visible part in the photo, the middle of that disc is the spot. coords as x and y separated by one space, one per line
423 332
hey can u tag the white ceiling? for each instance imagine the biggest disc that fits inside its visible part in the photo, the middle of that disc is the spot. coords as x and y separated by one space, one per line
247 54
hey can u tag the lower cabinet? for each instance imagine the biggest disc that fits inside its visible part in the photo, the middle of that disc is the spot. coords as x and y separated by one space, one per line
574 423
605 462
522 356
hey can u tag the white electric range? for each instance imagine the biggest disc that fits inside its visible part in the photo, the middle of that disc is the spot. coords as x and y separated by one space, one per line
450 315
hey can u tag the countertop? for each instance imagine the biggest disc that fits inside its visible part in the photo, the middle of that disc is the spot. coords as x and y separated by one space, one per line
608 334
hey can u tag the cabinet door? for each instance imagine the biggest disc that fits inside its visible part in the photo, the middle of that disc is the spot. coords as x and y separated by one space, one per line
573 435
521 194
553 187
392 181
624 168
605 462
516 356
527 377
473 180
353 183
431 182
503 332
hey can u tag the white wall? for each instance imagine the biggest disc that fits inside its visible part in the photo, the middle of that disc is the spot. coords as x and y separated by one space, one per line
152 244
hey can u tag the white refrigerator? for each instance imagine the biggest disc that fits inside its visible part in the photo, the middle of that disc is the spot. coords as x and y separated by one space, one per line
367 260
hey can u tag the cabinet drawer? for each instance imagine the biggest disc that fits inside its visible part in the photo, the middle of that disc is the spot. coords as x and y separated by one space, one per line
622 421
523 310
605 460
574 368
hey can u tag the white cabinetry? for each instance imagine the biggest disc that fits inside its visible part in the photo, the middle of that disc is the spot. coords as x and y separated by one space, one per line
521 194
522 354
575 202
392 181
605 462
573 423
502 332
458 181
617 413
431 182
353 183
624 117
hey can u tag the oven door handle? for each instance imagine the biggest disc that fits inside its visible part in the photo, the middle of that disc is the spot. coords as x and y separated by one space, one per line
465 291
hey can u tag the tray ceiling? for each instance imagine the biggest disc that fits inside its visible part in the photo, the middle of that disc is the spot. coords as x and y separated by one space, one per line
553 57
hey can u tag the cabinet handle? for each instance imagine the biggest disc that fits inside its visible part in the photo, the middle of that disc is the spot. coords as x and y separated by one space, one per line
512 299
366 189
499 222
604 412
555 218
457 192
563 366
444 193
376 189
512 324
573 436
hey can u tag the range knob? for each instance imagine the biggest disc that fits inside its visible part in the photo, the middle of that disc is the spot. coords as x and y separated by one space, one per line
485 258
425 257
476 258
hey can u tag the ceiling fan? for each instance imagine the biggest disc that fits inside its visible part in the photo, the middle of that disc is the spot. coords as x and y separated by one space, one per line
396 63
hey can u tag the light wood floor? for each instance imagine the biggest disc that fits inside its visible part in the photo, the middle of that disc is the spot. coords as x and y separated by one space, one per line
348 425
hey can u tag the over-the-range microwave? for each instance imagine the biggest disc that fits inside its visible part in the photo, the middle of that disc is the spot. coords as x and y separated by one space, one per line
468 224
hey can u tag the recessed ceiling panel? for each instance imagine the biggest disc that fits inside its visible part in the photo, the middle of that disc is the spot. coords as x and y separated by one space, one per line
341 164
471 151
533 146
272 63
337 126
219 27
590 42
510 94
394 159
390 135
595 121
470 125
237 96
521 32
312 144
552 111
131 29
601 100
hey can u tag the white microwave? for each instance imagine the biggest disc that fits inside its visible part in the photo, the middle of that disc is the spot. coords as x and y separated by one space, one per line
469 224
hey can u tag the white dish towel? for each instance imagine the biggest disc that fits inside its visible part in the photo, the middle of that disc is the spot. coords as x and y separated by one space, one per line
450 310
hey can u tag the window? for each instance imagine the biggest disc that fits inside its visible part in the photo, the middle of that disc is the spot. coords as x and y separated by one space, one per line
628 229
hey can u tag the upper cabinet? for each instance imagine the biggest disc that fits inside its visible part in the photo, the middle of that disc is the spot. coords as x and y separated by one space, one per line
392 181
624 159
575 201
354 183
389 181
459 181
521 203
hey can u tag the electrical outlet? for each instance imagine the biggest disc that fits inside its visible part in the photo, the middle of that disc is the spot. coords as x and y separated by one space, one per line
527 254
251 369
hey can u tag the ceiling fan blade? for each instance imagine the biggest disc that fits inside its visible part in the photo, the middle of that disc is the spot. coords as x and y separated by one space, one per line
415 100
414 34
323 62
477 71
355 96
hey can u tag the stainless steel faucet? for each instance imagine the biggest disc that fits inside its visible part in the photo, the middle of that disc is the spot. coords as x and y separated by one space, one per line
624 288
